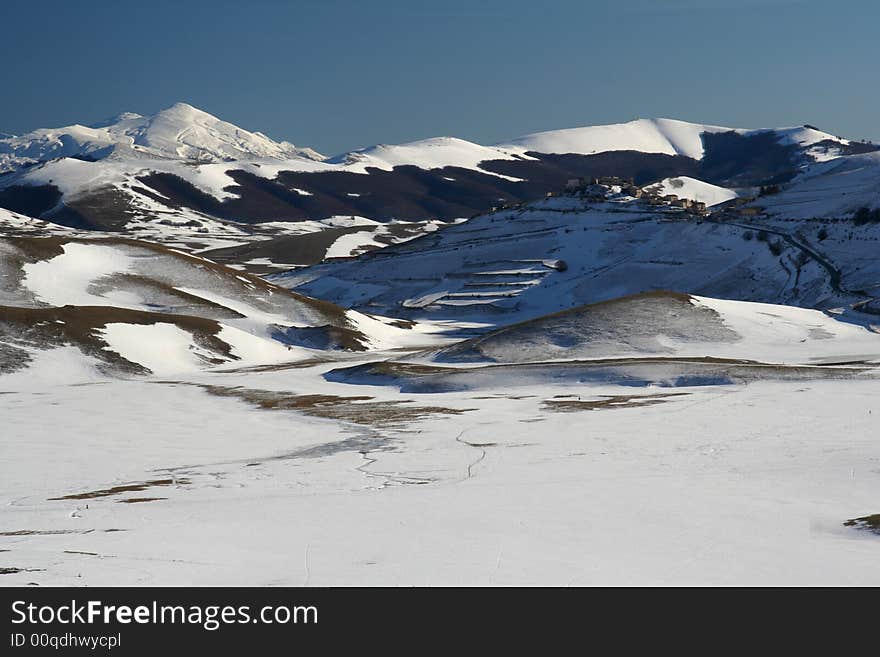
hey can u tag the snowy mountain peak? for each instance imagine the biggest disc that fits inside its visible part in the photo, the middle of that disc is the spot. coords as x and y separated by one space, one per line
122 116
179 132
187 132
187 110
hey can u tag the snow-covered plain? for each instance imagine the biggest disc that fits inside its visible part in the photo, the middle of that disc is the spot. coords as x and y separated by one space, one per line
187 482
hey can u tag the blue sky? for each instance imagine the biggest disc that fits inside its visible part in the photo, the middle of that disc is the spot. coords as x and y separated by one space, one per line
337 75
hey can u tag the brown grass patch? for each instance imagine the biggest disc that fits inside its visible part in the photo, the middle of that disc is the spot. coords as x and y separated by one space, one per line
563 403
125 488
357 409
278 367
342 330
330 310
125 281
80 326
44 532
867 523
39 248
517 397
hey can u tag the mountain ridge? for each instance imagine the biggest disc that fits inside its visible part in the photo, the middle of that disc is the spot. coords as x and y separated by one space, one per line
183 167
658 135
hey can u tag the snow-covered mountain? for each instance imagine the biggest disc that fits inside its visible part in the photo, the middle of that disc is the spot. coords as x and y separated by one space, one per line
184 165
180 132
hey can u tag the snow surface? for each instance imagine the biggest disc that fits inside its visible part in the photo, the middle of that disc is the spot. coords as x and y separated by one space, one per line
694 189
166 349
666 136
353 244
50 368
137 277
20 224
783 334
734 485
274 470
833 189
163 348
435 153
66 279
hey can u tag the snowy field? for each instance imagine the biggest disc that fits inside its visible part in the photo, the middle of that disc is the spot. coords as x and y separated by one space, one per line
236 478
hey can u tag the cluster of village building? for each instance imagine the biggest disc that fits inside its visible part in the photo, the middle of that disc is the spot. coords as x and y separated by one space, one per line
602 188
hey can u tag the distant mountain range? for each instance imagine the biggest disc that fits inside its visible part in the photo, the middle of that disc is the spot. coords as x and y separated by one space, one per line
185 167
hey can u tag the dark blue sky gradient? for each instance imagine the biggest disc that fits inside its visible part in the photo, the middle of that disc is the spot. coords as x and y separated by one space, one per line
338 75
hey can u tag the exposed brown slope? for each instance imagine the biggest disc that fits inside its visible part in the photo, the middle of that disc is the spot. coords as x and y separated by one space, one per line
159 280
80 326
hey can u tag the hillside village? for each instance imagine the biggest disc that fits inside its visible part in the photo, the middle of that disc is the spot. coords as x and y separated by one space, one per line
607 188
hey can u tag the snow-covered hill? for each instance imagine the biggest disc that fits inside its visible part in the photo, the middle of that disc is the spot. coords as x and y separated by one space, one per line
830 189
435 153
662 338
671 325
566 251
693 189
667 136
136 306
